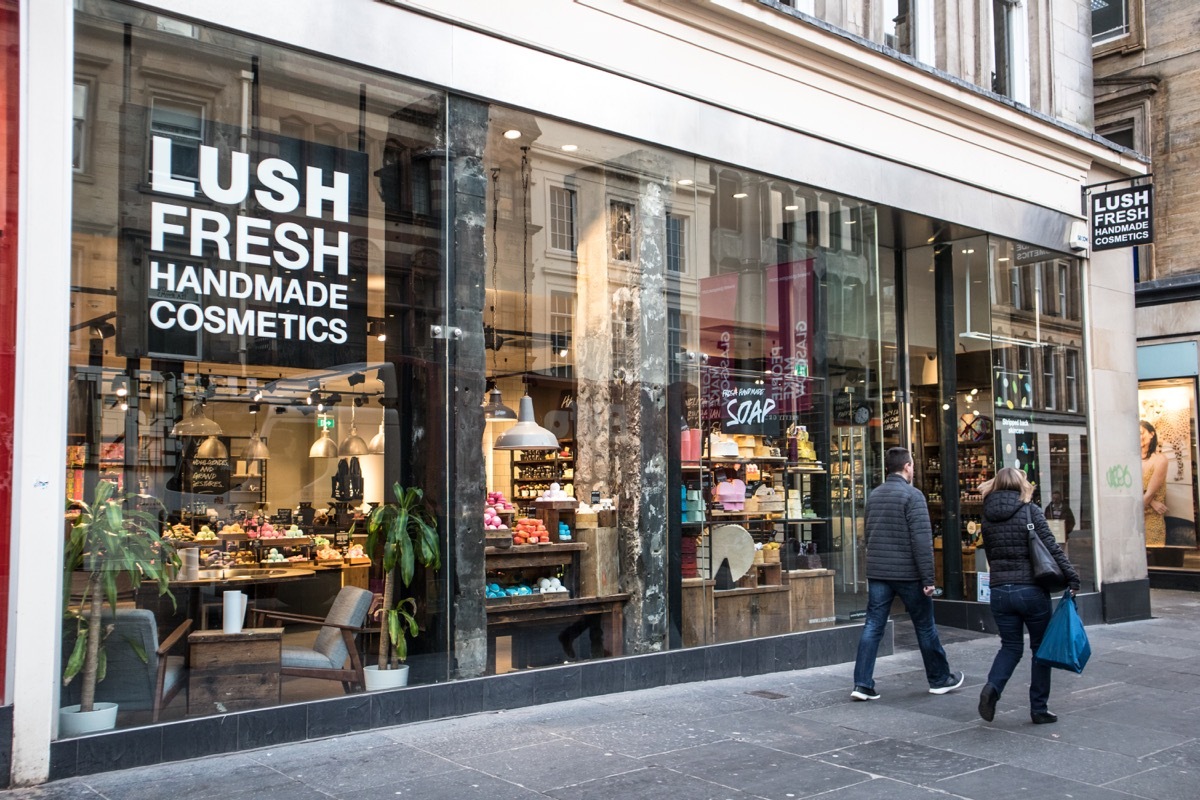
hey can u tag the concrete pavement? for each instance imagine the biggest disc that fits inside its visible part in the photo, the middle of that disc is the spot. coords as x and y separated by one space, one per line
1129 727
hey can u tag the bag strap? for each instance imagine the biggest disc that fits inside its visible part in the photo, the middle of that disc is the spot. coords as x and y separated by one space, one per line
1028 519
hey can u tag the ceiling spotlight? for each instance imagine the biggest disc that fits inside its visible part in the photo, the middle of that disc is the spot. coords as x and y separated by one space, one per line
791 208
740 196
512 134
313 383
378 329
945 406
123 406
280 410
570 148
356 378
258 395
255 408
120 386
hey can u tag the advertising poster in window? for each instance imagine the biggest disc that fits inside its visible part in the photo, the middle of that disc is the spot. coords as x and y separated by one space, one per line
252 257
1171 411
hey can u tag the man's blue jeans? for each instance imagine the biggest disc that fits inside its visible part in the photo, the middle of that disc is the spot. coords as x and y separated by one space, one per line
1016 607
920 611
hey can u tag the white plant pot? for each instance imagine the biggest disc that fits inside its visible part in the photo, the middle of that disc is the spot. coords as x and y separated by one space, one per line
73 722
380 679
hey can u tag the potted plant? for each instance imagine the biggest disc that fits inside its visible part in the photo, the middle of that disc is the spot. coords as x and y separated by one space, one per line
107 541
407 532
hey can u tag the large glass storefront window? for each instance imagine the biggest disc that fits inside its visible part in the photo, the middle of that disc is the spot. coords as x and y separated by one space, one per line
258 262
1167 416
997 382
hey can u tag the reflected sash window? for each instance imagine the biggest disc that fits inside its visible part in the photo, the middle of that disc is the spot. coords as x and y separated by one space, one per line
562 219
183 123
676 252
1110 19
79 107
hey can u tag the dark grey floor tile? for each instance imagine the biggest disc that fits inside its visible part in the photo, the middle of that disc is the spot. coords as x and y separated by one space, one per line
1178 717
342 767
905 761
883 789
1003 782
541 767
1110 737
498 738
786 732
462 784
1161 783
63 790
649 737
1039 754
757 770
656 782
190 780
881 720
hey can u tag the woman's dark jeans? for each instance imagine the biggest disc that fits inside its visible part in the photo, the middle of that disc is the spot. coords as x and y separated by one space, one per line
1015 608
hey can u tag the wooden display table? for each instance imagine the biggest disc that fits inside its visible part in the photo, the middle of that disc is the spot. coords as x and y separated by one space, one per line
811 598
566 555
233 671
518 618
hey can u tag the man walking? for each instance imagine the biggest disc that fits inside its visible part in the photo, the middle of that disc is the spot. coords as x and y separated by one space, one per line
900 562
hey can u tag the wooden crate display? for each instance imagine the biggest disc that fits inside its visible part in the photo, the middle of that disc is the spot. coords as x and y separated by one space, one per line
811 595
233 671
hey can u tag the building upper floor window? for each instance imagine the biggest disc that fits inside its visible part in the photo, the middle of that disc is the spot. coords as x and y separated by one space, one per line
1110 20
183 123
562 219
676 243
620 230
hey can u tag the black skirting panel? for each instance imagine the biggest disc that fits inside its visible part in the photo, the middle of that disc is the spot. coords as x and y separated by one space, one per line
247 730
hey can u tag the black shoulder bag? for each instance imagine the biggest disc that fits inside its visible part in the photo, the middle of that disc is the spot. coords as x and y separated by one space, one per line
1046 572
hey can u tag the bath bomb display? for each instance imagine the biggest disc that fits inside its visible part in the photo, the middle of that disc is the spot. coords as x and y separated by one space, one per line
294 532
274 556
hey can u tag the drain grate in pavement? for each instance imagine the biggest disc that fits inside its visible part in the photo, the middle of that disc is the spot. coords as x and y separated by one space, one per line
764 694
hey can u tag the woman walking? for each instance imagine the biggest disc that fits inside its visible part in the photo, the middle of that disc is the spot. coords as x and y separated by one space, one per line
1018 604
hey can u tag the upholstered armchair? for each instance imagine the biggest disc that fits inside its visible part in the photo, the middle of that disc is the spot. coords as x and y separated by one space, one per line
334 643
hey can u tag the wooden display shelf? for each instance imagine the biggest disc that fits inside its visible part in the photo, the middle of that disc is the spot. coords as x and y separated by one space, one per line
750 613
811 598
519 618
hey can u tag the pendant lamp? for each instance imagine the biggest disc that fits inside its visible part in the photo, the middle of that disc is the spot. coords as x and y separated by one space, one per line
212 447
526 434
353 445
495 410
257 449
196 424
378 445
324 447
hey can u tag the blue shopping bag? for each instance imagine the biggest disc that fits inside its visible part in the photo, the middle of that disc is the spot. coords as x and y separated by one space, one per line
1065 645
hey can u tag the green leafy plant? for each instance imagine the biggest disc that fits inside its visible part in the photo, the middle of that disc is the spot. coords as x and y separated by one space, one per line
109 539
408 533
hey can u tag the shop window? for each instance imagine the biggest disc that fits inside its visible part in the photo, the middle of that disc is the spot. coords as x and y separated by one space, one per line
1064 292
183 124
562 219
676 244
620 230
79 113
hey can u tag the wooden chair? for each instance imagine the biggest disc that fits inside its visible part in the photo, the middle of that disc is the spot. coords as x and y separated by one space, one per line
131 683
334 644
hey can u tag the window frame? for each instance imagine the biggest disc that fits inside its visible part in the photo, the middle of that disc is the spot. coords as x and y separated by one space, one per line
572 221
1134 37
81 127
674 242
180 100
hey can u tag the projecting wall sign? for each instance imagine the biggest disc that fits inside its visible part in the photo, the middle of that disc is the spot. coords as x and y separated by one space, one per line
1122 218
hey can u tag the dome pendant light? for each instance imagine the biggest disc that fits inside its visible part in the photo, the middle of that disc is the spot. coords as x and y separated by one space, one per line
257 449
526 434
353 445
212 447
495 410
324 447
196 424
378 444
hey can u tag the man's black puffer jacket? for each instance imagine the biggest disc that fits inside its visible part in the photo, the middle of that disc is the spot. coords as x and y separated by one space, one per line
899 538
1006 539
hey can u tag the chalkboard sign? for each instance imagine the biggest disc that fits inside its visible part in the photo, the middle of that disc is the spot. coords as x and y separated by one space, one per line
891 419
209 476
